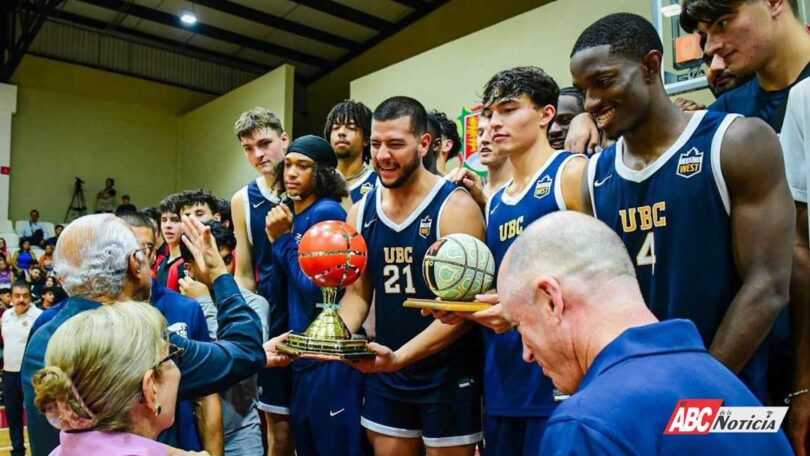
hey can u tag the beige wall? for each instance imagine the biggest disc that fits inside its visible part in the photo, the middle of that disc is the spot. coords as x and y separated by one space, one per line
455 19
77 121
209 156
452 76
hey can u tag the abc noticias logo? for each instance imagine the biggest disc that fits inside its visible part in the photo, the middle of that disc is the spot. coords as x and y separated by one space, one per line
703 416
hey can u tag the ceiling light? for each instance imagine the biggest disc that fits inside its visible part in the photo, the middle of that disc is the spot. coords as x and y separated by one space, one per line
188 17
671 10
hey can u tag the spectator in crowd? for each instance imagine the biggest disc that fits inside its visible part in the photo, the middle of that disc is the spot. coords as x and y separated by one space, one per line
451 142
105 200
85 358
16 326
3 248
5 297
33 229
47 299
46 260
6 274
36 279
123 274
126 206
57 231
224 209
169 267
154 215
240 418
23 258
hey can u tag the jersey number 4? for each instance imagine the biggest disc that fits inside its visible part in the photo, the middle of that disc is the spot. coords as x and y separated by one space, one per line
391 273
646 254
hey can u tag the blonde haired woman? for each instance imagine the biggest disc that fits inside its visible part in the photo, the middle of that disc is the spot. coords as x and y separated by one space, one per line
110 382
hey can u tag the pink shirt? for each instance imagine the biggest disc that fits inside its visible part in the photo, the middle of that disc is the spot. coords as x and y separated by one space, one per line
99 443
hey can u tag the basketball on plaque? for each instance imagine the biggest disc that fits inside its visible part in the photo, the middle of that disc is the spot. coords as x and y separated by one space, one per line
333 255
456 268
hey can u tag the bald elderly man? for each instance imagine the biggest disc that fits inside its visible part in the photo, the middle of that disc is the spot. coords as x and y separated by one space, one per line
99 260
568 286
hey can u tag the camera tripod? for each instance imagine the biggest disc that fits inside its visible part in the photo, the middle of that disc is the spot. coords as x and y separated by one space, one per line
77 206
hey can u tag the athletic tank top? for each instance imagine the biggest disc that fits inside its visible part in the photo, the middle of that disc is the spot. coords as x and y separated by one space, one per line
513 387
673 217
363 185
395 254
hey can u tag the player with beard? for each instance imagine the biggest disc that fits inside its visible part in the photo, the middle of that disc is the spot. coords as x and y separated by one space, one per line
326 396
347 128
700 200
264 141
423 385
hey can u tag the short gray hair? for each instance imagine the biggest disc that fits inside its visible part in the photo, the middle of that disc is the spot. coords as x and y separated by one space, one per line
92 256
255 119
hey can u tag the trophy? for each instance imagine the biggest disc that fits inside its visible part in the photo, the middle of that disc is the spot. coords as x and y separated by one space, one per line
456 268
333 255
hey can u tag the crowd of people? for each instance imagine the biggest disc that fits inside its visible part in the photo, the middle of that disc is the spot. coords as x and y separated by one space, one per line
648 252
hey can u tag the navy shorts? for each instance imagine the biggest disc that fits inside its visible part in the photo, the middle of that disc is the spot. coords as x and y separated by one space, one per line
441 423
274 390
326 402
513 435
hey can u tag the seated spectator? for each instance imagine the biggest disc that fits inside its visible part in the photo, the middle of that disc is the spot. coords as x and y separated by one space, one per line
3 248
46 260
6 274
85 358
105 200
23 258
57 231
126 206
36 279
33 229
47 299
5 297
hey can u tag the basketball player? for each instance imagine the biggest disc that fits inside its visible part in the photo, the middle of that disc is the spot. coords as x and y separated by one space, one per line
347 128
499 168
423 384
520 104
264 141
570 104
451 142
699 199
201 204
430 160
326 396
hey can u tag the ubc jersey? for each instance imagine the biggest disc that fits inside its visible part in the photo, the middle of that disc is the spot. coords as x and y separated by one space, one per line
395 254
673 217
362 185
259 200
513 387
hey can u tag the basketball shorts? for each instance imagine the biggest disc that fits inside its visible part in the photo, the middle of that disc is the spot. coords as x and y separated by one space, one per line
274 390
325 410
441 423
513 435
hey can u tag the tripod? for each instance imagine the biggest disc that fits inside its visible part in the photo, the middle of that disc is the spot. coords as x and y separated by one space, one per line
77 206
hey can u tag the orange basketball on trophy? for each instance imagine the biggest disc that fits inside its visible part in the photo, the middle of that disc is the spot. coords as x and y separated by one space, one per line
332 254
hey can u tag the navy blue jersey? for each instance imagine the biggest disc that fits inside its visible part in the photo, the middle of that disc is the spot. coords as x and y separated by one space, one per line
259 200
363 185
395 254
673 216
513 387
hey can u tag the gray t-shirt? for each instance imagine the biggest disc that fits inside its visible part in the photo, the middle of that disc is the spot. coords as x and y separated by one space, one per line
240 417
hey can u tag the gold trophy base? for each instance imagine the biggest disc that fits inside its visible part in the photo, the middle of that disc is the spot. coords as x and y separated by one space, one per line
450 306
327 338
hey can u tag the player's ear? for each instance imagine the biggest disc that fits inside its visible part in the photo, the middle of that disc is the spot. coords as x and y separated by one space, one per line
548 112
651 65
776 7
424 144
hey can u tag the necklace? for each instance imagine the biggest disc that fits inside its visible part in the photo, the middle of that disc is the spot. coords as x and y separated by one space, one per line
351 178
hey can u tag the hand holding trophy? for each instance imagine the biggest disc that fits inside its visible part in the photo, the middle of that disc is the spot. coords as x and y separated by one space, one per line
333 255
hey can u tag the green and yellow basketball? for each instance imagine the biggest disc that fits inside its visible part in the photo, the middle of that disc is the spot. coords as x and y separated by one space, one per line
457 267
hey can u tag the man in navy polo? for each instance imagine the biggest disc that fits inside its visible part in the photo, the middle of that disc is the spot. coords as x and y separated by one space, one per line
569 286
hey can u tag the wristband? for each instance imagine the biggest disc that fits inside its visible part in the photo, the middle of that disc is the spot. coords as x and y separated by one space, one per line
796 394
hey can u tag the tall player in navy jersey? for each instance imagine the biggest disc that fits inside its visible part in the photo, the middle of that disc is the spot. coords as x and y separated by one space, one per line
264 141
423 387
326 396
347 128
519 106
700 200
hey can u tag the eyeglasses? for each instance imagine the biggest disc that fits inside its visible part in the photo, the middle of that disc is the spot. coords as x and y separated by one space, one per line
175 353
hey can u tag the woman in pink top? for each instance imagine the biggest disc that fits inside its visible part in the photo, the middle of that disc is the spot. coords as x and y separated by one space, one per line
110 382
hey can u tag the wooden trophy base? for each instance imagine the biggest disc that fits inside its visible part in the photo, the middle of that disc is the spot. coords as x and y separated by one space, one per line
449 306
